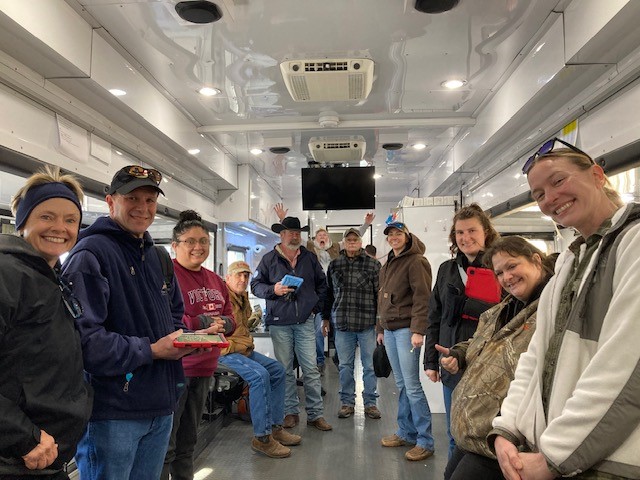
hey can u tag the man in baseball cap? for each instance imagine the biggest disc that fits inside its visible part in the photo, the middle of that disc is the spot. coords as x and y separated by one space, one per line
267 417
128 178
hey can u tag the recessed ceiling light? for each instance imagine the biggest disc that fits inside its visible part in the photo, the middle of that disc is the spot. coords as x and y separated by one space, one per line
209 91
118 152
256 151
453 83
117 92
194 151
419 146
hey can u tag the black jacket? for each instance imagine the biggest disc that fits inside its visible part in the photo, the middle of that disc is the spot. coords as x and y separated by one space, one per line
41 379
447 305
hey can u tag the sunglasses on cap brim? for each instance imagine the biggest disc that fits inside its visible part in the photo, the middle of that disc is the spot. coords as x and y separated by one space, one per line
136 171
548 147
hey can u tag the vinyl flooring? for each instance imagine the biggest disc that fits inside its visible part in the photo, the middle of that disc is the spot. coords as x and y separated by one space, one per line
351 451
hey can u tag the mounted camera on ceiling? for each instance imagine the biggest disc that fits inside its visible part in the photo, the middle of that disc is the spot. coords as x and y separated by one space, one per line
198 11
435 6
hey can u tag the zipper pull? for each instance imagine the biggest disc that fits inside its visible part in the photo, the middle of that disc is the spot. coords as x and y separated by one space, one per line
128 377
133 270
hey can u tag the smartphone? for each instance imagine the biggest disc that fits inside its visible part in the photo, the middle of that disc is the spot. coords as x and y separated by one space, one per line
199 340
482 285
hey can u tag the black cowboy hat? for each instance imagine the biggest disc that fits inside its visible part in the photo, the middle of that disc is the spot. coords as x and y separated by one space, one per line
289 223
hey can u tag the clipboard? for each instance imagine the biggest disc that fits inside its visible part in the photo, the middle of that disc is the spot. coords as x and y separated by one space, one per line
482 285
199 340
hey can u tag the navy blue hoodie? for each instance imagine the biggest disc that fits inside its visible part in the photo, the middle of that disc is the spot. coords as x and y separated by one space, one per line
119 281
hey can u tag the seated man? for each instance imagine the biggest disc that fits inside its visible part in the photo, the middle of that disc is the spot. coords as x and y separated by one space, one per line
264 375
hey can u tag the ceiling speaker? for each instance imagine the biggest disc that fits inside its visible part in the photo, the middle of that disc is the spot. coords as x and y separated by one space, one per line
279 150
435 6
198 11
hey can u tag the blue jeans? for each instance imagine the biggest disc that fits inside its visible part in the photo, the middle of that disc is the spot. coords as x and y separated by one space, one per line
299 338
319 340
265 377
124 449
346 347
448 392
414 416
184 434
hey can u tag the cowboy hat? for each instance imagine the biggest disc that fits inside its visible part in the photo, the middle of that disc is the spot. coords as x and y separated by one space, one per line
289 223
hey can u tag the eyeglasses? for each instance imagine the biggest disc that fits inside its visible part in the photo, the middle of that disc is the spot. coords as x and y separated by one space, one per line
547 147
137 171
69 299
192 242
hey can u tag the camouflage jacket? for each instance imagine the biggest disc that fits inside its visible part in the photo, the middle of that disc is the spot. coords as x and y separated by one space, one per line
489 360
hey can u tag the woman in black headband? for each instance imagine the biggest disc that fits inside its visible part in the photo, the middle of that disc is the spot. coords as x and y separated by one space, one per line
44 401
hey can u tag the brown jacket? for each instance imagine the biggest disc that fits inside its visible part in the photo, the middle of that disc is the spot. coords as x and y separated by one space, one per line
241 341
405 288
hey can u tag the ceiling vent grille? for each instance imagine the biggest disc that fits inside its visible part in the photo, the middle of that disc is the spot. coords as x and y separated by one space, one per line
337 150
325 80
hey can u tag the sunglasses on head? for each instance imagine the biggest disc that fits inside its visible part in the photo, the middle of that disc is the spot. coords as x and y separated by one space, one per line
137 171
547 147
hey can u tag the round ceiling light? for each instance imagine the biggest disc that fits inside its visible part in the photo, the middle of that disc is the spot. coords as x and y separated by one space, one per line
256 151
198 11
209 91
419 146
453 83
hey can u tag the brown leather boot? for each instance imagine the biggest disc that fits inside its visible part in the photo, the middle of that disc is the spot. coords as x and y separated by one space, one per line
285 438
320 423
417 454
272 448
291 420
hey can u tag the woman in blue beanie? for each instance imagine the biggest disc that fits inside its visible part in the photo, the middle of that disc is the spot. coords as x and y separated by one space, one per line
44 401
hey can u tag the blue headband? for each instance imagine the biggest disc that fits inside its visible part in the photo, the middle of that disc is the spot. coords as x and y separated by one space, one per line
40 193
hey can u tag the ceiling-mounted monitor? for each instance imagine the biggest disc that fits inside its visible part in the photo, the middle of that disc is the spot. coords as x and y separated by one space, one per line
338 188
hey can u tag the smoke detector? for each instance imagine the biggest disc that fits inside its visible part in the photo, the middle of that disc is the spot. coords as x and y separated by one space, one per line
328 120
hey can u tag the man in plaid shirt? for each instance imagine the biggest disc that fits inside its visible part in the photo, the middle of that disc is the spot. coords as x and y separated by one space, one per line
352 299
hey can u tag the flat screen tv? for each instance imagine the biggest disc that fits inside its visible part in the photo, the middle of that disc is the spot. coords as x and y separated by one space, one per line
338 188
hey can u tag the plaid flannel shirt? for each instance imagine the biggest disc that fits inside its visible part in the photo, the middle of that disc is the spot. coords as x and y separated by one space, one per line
352 296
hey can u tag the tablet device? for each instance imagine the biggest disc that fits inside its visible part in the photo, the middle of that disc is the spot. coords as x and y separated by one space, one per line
482 285
291 281
200 340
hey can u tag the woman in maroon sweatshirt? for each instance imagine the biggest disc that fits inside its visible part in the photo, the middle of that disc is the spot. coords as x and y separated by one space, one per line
206 302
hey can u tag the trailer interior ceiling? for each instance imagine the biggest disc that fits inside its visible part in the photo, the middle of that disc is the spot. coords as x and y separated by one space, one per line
292 82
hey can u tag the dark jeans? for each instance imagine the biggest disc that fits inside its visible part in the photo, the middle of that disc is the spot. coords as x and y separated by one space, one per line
184 434
53 476
471 466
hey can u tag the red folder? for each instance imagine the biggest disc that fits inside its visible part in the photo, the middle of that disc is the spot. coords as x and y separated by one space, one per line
482 285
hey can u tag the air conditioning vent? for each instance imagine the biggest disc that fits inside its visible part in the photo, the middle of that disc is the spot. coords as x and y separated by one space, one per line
337 150
323 80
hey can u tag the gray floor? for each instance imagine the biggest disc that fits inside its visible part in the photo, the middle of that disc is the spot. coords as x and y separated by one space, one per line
350 451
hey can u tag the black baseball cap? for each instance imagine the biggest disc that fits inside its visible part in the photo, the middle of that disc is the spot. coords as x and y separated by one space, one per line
128 178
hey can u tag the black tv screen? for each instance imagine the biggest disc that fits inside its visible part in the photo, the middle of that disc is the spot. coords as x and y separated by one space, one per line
338 188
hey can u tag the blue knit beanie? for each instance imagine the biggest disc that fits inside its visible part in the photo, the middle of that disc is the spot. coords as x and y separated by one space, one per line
40 193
